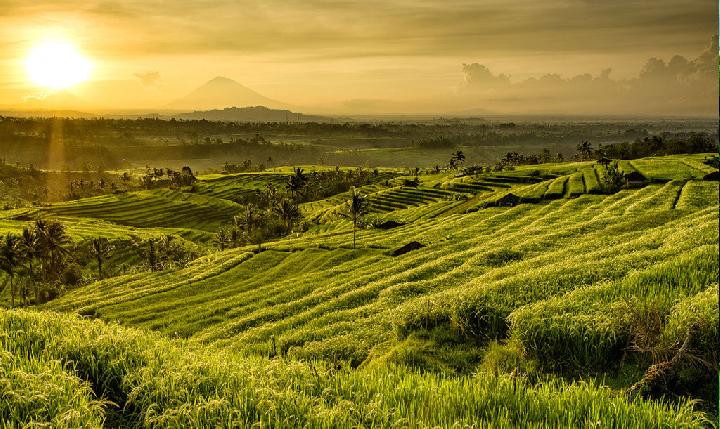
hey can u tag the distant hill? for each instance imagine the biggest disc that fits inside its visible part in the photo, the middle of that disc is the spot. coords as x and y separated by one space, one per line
39 113
58 102
252 114
222 92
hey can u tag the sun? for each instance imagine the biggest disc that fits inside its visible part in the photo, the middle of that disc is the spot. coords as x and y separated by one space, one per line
56 64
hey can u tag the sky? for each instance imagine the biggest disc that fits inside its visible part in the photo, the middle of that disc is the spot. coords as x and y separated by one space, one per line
390 56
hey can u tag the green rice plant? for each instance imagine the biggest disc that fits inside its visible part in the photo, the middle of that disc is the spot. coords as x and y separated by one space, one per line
590 328
592 182
154 208
576 184
663 169
699 314
697 194
626 166
556 189
698 165
38 391
534 193
165 383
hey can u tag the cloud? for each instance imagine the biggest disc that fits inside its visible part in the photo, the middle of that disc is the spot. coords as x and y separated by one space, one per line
478 76
679 86
148 78
399 27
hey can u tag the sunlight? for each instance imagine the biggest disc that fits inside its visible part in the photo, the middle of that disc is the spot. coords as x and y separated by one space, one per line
56 64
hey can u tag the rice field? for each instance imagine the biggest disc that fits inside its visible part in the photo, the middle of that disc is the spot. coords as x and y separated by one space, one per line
530 315
139 379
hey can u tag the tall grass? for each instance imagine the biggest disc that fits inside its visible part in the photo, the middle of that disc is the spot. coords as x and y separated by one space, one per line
165 383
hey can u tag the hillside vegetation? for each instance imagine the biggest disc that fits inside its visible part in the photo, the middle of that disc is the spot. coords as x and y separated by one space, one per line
55 367
532 297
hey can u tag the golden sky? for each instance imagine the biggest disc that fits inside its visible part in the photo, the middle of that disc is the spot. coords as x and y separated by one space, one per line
373 56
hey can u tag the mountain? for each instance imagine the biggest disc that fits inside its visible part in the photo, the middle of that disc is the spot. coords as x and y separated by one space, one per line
222 92
252 114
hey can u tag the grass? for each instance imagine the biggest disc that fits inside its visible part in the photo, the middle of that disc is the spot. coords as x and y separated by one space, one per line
589 328
556 283
166 383
155 208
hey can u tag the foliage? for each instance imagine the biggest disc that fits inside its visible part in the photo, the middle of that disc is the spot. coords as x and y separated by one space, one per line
612 179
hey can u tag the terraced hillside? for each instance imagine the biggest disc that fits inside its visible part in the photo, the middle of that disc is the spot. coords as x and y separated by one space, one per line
566 283
233 186
316 297
155 208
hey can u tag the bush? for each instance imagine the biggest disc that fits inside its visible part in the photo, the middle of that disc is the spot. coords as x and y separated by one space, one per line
72 275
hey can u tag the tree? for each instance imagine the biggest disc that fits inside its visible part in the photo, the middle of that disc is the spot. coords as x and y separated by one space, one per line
248 219
187 177
51 239
288 212
358 207
613 179
102 249
456 159
223 237
584 151
545 156
152 254
30 249
296 182
604 161
10 257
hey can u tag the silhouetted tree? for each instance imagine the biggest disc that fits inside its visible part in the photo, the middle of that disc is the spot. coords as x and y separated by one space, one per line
51 240
30 248
296 182
584 151
358 207
288 212
102 249
10 259
456 159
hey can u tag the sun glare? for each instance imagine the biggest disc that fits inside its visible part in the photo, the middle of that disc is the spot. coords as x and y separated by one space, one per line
56 64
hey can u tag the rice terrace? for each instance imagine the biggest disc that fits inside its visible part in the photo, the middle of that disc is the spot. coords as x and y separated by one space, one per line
431 243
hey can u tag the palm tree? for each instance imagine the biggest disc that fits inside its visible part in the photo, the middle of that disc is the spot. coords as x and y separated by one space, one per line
102 249
456 159
296 182
51 239
585 150
288 212
459 158
30 248
10 258
223 237
249 218
358 207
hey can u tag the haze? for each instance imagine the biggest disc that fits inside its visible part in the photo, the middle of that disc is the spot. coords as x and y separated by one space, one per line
398 56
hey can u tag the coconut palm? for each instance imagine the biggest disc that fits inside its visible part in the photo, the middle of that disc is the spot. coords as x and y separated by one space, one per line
296 182
30 246
223 238
584 150
51 239
10 259
102 250
288 212
358 207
